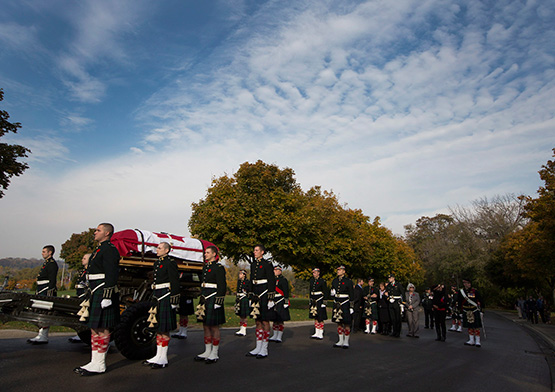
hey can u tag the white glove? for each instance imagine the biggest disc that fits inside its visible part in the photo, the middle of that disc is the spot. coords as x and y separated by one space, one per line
105 303
323 306
351 310
216 306
332 292
271 304
174 306
285 306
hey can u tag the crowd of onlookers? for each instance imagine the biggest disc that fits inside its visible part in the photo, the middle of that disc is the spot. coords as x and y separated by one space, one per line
534 309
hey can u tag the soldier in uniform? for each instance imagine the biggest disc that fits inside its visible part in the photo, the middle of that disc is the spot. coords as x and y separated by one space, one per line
358 305
394 293
262 300
46 285
210 310
102 275
81 287
166 294
428 308
371 296
456 315
242 301
471 305
185 309
384 322
317 305
342 292
439 304
281 307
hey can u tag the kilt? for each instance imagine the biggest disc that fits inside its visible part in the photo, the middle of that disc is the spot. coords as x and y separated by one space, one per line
472 319
371 311
211 316
242 306
103 318
260 300
165 315
342 312
316 311
186 306
279 313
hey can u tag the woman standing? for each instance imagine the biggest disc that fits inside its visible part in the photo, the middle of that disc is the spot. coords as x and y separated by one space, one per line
412 300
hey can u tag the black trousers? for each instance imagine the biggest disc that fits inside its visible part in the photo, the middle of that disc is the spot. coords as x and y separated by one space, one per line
439 318
428 318
395 316
357 321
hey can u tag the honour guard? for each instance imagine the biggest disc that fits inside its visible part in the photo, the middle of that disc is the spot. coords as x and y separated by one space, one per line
210 310
103 306
81 287
371 296
281 307
317 305
394 293
342 291
166 294
46 285
242 301
262 300
471 305
455 311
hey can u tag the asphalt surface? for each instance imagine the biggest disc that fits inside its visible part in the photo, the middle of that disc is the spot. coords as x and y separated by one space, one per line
510 359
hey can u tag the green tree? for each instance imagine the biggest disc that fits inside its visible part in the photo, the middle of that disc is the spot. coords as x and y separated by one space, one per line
264 204
10 153
76 246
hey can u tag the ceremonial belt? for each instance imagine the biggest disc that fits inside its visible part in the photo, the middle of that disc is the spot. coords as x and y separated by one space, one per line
99 286
371 302
42 282
165 295
396 297
241 295
341 295
208 296
95 276
46 288
162 286
316 293
471 302
209 285
260 281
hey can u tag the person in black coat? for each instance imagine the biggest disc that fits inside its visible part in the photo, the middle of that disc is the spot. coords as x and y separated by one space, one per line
439 304
358 305
342 292
317 305
46 286
428 308
81 286
281 308
384 324
210 310
394 293
242 301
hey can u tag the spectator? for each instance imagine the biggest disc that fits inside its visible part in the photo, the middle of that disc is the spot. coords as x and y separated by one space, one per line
428 308
531 310
440 311
412 299
541 308
384 325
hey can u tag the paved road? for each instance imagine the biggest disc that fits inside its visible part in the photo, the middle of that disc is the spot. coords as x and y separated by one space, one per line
509 360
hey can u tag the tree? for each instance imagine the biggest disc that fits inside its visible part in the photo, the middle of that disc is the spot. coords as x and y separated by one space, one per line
77 246
10 153
262 204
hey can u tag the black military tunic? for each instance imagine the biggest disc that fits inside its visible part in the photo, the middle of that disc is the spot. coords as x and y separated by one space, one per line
263 285
281 312
46 279
242 298
213 293
471 312
318 295
343 300
395 298
166 292
103 275
371 304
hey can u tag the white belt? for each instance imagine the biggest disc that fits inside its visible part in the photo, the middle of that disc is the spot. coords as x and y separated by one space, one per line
260 281
96 276
42 282
316 293
342 296
162 286
209 285
396 297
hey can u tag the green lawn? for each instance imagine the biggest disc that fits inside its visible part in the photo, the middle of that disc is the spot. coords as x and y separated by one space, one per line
298 311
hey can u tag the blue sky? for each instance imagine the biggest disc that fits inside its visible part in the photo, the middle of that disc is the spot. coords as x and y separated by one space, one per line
402 108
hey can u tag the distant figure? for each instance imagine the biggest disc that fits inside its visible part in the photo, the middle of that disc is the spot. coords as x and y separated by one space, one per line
521 307
317 303
456 316
412 299
46 286
440 311
358 305
427 298
81 287
541 308
371 296
242 302
472 306
531 310
343 293
384 324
